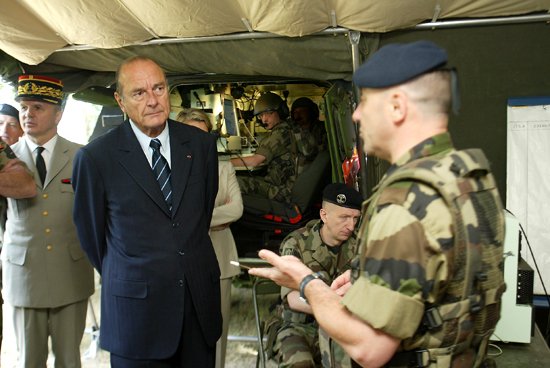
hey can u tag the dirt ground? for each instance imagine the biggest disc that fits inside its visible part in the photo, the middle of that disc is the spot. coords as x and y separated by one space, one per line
240 354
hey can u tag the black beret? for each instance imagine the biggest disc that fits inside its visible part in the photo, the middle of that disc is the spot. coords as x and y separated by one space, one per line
398 63
9 110
342 195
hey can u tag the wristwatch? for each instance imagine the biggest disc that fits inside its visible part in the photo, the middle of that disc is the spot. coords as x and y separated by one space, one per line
306 280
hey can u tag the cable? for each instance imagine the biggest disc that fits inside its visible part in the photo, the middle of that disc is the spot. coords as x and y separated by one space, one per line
238 156
498 353
547 332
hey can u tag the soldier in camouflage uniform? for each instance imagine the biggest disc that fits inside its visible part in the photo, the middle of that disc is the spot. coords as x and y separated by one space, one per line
326 246
16 181
10 128
277 151
309 132
426 289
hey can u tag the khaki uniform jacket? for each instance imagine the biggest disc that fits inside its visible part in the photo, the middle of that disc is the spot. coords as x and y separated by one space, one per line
43 264
227 208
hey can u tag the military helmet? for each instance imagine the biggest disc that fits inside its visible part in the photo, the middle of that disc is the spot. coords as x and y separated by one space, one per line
307 103
271 102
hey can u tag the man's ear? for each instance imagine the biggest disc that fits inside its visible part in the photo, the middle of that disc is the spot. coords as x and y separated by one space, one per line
58 115
323 215
118 99
398 106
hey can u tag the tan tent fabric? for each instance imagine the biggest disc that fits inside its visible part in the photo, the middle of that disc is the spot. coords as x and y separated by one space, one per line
32 30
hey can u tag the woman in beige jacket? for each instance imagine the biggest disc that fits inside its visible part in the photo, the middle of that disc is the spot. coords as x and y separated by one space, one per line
228 208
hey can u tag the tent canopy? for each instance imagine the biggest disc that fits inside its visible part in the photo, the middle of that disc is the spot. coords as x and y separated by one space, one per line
100 33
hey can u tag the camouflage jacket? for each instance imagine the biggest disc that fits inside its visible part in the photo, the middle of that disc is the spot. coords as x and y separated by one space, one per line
279 151
309 142
307 245
6 154
412 260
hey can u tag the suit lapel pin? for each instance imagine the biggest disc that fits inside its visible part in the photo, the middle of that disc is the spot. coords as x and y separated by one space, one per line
189 156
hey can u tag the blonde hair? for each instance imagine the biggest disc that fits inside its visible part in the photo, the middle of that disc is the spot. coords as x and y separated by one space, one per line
186 115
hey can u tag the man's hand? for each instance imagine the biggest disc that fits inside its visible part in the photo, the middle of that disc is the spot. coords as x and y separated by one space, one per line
287 271
342 283
16 181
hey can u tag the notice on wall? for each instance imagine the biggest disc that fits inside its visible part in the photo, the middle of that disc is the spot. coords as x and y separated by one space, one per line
528 180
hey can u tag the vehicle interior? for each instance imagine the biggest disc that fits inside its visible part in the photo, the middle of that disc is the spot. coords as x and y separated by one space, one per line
230 106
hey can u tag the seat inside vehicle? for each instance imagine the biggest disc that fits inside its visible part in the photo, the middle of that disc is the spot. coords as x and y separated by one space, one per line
266 222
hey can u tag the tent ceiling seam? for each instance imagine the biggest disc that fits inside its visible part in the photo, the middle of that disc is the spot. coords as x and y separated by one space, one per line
247 25
328 31
137 19
31 10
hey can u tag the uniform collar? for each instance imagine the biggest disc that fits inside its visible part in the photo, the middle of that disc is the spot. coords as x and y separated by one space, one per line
436 144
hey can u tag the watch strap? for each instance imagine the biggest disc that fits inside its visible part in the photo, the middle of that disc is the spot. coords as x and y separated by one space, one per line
306 280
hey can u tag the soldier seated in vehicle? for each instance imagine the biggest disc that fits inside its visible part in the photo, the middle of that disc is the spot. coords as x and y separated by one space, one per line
327 246
277 151
309 130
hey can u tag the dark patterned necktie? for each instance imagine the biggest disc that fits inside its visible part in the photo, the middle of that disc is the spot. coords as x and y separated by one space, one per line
162 172
40 164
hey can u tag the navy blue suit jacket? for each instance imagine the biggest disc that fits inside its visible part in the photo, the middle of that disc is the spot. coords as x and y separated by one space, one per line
146 254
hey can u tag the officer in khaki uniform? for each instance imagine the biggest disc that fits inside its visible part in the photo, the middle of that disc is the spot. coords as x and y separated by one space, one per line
326 246
46 277
426 290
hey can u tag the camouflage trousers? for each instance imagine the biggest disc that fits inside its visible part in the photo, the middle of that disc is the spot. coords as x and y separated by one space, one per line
257 185
332 354
297 346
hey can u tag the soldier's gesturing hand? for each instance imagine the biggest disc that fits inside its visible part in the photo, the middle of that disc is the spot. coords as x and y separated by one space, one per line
342 283
287 271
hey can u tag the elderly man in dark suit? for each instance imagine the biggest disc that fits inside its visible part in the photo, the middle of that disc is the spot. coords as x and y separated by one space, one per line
144 198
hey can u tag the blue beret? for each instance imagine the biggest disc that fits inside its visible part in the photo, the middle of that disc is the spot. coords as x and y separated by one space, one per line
342 195
397 63
6 109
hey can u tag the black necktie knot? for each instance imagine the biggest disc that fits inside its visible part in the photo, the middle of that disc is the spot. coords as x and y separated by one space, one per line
155 144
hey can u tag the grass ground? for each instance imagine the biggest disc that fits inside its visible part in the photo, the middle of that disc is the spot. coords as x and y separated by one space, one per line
240 354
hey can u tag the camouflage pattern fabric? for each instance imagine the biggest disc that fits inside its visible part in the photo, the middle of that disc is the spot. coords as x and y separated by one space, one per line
332 354
306 145
297 346
319 132
416 248
279 151
297 339
6 154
